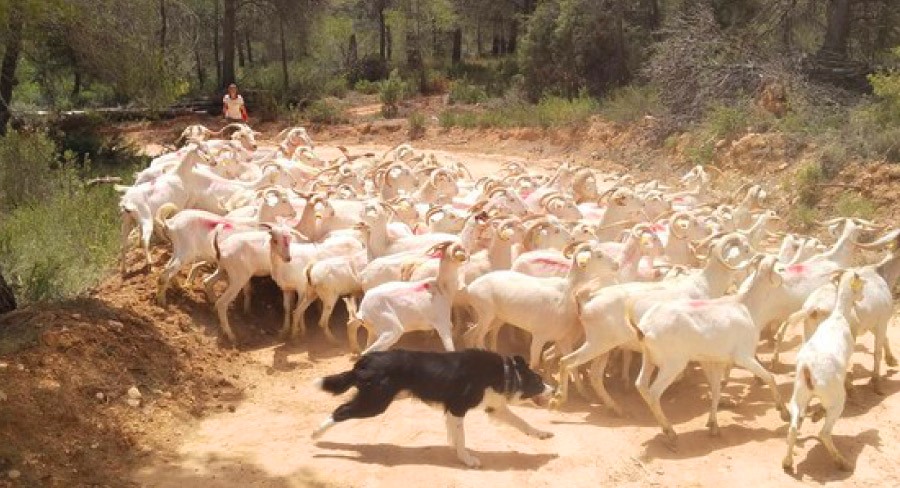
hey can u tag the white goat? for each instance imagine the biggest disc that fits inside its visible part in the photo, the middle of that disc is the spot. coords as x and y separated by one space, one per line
717 333
822 367
389 310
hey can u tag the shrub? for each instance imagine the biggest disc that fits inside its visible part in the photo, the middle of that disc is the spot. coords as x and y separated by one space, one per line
549 112
27 173
417 127
336 87
854 205
808 178
805 215
391 91
631 103
463 92
458 118
326 112
366 87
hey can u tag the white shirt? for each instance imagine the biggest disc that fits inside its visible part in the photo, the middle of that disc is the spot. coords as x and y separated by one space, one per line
233 106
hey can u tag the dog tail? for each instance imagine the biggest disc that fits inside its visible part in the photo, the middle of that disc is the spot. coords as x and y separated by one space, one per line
337 383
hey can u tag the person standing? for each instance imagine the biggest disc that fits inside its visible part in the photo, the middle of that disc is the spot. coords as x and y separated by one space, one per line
233 107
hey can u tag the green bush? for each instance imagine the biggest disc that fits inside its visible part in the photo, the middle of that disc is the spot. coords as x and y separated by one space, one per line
28 172
417 126
807 183
62 245
336 87
56 236
854 205
366 87
631 103
325 112
549 112
391 91
463 92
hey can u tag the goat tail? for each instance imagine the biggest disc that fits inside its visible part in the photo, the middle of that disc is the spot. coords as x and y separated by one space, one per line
629 317
337 383
164 213
307 272
807 376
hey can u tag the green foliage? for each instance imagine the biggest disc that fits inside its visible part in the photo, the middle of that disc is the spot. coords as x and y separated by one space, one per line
805 215
366 87
550 112
417 125
56 236
336 87
806 184
463 92
326 112
631 103
29 170
391 91
851 204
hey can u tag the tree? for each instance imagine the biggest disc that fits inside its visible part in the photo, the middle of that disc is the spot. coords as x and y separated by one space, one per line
837 31
15 21
229 21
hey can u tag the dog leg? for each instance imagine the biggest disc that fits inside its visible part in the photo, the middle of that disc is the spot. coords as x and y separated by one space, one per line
457 434
327 424
502 413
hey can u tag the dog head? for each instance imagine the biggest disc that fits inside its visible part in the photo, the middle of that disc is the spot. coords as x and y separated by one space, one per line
528 385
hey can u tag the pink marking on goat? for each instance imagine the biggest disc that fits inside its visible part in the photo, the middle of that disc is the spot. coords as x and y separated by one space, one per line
552 263
797 269
658 228
415 288
461 205
698 303
213 223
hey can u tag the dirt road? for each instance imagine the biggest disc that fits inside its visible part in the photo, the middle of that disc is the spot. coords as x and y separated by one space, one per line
265 440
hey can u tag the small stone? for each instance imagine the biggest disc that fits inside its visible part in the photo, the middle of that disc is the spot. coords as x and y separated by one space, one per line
167 394
76 316
100 396
4 365
134 393
231 408
13 474
20 367
95 445
3 397
133 402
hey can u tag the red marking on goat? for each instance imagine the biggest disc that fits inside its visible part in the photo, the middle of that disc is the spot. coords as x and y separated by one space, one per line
552 263
658 227
797 269
678 199
436 255
698 303
461 205
212 224
525 193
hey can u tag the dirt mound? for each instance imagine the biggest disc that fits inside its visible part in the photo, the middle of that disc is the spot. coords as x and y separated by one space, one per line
67 413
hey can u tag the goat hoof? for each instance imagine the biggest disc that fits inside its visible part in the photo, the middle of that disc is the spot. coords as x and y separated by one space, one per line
876 385
470 461
787 464
891 361
555 402
785 415
713 429
540 434
843 464
671 440
727 402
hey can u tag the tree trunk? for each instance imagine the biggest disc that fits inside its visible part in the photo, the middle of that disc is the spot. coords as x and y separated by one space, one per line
201 71
229 18
513 34
352 52
163 26
654 14
837 32
390 44
382 37
217 52
478 40
10 62
7 297
285 79
620 63
240 53
76 83
248 46
456 55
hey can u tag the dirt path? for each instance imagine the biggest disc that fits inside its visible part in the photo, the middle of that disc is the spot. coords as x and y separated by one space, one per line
265 440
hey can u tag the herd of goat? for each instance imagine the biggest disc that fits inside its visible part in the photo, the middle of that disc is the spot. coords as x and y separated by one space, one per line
585 263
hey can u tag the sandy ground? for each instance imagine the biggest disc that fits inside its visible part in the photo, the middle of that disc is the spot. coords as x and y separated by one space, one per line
265 440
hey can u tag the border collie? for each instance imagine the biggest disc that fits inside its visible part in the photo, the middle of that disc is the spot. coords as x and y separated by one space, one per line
457 381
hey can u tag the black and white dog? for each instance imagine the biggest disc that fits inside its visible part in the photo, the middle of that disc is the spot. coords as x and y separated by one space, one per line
459 381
